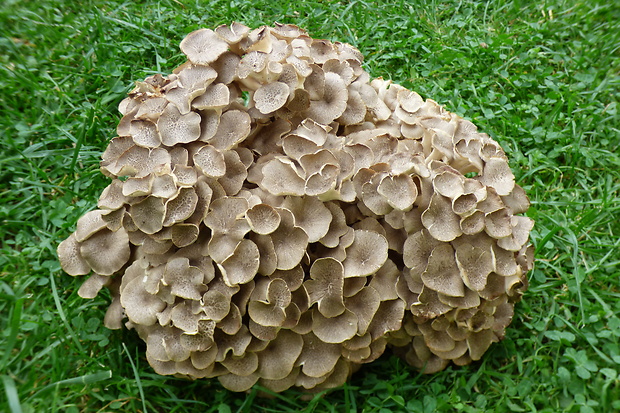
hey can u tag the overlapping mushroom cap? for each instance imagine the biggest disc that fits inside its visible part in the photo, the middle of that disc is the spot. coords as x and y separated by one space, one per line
275 217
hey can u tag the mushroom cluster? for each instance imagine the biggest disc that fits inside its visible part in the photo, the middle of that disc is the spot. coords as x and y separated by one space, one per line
276 217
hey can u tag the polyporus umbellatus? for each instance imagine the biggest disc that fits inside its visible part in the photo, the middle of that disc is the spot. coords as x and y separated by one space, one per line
275 216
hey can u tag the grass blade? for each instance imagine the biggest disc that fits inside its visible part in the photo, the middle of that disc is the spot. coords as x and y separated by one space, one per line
11 394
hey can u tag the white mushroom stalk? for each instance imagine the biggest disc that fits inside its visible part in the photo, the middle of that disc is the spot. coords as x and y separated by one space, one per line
275 217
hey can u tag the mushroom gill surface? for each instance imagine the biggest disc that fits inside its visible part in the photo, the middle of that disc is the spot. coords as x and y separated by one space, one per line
276 217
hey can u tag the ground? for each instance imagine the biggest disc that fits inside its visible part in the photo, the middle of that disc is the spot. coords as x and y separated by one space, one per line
542 78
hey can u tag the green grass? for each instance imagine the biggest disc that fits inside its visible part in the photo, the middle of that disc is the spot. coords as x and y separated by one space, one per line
541 77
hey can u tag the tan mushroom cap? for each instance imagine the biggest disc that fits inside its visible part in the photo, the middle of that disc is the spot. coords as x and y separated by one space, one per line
366 255
517 200
400 191
497 174
112 197
242 265
145 133
135 187
241 366
215 305
210 161
184 235
442 273
289 241
310 215
325 286
333 101
281 177
364 305
268 302
317 358
277 360
91 287
334 329
175 128
237 383
475 265
439 219
89 224
106 252
271 97
521 227
234 126
215 96
203 46
70 257
140 306
263 218
233 33
226 216
185 281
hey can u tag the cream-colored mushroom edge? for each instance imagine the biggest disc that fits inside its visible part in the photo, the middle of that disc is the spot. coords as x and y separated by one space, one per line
277 217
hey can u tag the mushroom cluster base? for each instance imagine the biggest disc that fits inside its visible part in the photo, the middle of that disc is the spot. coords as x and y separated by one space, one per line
277 217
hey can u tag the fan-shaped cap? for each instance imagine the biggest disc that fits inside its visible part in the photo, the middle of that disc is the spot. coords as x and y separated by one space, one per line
145 133
89 224
289 241
210 161
271 97
112 197
439 219
226 216
317 358
70 257
399 191
233 33
175 128
277 360
310 215
234 126
263 218
215 96
242 265
241 366
366 255
334 329
325 286
268 302
521 227
280 177
497 174
203 46
475 265
333 101
106 252
364 305
185 281
442 273
148 214
140 306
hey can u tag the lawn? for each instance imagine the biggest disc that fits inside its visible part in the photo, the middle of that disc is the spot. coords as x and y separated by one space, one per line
542 78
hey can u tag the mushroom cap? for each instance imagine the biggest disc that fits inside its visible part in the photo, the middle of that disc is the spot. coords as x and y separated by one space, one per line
106 251
271 97
277 360
70 257
263 218
203 46
175 127
366 254
333 101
